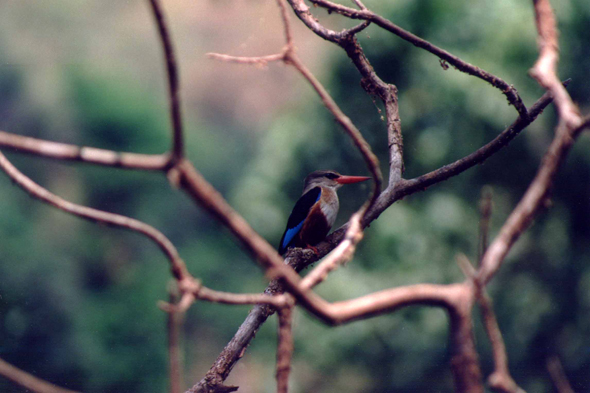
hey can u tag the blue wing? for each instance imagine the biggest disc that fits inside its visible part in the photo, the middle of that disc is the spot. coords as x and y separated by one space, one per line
298 216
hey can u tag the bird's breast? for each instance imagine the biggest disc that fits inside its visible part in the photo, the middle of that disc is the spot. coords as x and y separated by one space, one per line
329 205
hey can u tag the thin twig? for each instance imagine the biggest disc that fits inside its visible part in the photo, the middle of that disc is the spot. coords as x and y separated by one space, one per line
257 60
500 380
284 348
29 381
532 201
558 377
545 69
258 315
570 125
174 326
173 82
485 213
90 155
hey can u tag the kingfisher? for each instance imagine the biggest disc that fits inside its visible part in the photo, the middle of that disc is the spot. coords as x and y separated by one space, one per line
316 210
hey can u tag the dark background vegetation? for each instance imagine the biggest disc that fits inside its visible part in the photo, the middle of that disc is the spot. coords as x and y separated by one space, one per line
78 301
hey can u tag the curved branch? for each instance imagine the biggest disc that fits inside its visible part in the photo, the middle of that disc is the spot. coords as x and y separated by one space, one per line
89 155
178 267
508 90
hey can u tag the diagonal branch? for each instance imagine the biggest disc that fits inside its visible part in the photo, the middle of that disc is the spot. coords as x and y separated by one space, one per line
29 381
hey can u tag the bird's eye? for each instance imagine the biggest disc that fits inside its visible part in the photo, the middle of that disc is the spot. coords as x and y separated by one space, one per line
332 176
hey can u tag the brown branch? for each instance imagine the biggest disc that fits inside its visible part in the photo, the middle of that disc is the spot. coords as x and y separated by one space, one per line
241 298
485 213
408 187
370 159
533 200
364 14
257 60
90 155
299 260
545 69
173 82
339 256
464 358
174 326
284 348
177 264
558 377
213 202
569 127
288 56
29 381
500 380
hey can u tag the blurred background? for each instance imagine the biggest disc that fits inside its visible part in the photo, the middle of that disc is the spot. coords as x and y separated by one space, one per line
78 301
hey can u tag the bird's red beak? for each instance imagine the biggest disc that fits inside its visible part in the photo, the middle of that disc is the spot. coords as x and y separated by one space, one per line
351 179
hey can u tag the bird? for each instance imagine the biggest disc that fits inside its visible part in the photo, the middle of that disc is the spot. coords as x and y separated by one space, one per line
316 210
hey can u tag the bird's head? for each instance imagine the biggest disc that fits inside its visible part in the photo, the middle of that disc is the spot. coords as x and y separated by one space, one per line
330 179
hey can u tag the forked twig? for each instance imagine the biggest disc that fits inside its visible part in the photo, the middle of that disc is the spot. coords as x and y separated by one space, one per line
174 328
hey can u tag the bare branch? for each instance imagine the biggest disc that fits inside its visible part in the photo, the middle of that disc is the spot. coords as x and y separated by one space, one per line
174 327
356 136
500 380
531 203
29 381
340 255
211 200
242 298
90 155
558 377
545 69
485 213
259 60
408 187
177 264
284 348
508 90
173 82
